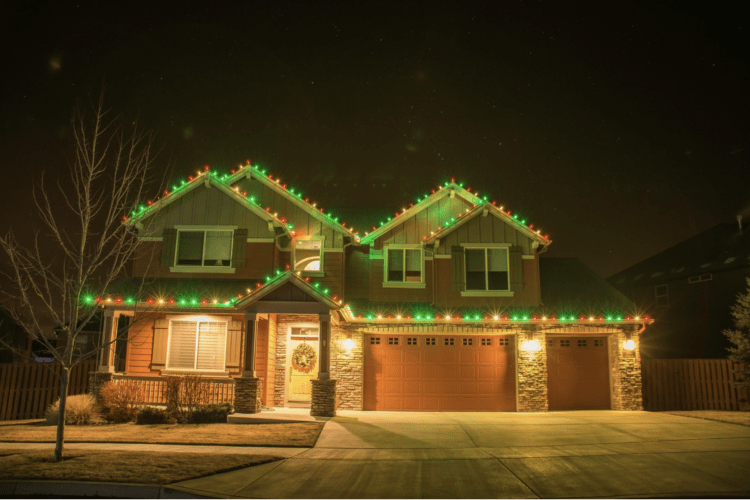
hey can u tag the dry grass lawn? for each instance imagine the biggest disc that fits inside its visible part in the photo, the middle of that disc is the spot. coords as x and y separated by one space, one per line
731 417
298 434
120 466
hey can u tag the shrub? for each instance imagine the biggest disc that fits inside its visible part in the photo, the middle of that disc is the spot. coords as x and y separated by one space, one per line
151 415
211 414
122 400
184 394
80 409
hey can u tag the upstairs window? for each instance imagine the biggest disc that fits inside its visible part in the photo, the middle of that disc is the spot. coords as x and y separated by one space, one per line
487 269
308 256
204 248
403 265
197 345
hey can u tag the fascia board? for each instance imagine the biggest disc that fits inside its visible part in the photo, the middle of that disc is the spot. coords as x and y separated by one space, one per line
256 295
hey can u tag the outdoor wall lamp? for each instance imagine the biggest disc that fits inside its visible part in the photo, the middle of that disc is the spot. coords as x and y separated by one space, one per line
629 344
349 344
530 345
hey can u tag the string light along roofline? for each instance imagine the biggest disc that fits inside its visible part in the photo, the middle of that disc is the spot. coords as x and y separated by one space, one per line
440 192
254 171
213 178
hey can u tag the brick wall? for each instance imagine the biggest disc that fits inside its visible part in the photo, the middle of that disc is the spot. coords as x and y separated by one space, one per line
532 374
347 368
625 372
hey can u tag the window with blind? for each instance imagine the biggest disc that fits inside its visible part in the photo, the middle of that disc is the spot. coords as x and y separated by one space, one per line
197 345
487 269
403 265
204 248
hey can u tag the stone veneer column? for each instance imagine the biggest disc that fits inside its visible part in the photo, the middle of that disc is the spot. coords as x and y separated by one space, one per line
532 372
247 389
323 398
347 367
96 382
625 367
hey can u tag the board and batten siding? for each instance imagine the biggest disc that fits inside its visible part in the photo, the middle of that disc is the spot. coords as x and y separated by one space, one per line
357 279
208 207
305 224
414 228
485 229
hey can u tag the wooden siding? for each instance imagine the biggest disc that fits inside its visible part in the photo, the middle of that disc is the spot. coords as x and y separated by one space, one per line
378 293
27 389
261 261
357 282
530 295
692 384
269 374
485 229
305 224
414 228
209 206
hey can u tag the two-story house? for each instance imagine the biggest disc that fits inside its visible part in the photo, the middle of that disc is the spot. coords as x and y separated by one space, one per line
444 305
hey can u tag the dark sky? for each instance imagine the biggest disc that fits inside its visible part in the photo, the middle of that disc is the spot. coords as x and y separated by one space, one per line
620 128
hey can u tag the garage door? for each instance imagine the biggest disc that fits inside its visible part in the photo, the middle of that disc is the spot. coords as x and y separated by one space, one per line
439 373
578 373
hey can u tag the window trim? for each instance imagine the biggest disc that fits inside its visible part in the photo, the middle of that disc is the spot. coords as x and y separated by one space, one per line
198 319
322 239
404 284
487 292
664 302
177 268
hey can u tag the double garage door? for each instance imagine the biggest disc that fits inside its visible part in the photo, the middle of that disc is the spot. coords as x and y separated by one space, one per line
439 373
476 373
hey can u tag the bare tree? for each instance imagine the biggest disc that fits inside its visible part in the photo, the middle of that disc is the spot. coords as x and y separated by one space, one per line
84 246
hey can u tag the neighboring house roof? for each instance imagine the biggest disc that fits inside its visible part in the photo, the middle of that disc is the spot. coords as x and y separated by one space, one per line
457 190
718 249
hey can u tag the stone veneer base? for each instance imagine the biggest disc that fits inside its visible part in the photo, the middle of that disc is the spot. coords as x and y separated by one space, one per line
97 381
323 398
247 392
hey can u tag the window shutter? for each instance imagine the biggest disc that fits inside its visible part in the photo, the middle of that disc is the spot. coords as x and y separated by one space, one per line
168 246
457 265
239 248
159 354
516 269
234 344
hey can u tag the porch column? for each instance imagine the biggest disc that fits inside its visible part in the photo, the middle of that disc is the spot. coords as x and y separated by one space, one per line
247 387
251 340
109 335
323 402
531 344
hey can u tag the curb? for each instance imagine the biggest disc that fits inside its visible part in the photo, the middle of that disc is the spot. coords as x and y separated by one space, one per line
43 489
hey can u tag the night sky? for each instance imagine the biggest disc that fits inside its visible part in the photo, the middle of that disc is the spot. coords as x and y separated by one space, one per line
620 128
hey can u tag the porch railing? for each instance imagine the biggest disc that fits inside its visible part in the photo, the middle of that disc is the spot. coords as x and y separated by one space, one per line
219 390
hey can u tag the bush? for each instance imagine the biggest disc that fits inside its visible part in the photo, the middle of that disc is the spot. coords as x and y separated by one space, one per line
151 415
210 414
122 400
80 409
184 394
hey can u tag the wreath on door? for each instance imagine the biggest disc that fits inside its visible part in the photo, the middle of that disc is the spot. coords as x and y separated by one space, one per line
304 358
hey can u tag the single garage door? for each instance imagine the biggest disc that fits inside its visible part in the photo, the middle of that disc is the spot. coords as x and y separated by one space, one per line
578 373
439 373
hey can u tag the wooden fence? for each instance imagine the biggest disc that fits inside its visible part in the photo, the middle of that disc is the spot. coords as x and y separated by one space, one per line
219 391
27 389
692 384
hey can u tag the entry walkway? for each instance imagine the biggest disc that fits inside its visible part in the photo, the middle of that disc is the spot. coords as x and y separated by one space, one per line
503 455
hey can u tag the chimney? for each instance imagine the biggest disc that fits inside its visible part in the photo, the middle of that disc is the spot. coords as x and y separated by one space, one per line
739 222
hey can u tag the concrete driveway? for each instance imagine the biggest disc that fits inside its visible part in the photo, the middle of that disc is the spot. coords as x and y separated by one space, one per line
504 455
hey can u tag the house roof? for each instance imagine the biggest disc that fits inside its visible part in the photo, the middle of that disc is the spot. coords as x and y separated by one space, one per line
720 248
446 190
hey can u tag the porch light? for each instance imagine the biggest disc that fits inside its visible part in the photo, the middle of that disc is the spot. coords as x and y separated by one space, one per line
349 344
629 345
530 345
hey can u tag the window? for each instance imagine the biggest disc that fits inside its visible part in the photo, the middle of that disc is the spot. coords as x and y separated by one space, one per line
565 343
468 341
662 295
403 265
502 342
308 256
702 277
411 340
197 345
550 343
449 341
487 269
582 342
486 341
392 340
429 341
204 248
375 340
598 342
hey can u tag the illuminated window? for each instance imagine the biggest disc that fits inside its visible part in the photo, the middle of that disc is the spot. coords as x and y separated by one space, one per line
204 248
487 269
308 256
403 265
197 345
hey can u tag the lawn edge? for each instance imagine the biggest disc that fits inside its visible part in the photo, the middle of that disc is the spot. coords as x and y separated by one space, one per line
92 489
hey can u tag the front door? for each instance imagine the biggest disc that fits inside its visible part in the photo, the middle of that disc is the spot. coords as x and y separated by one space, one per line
302 364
